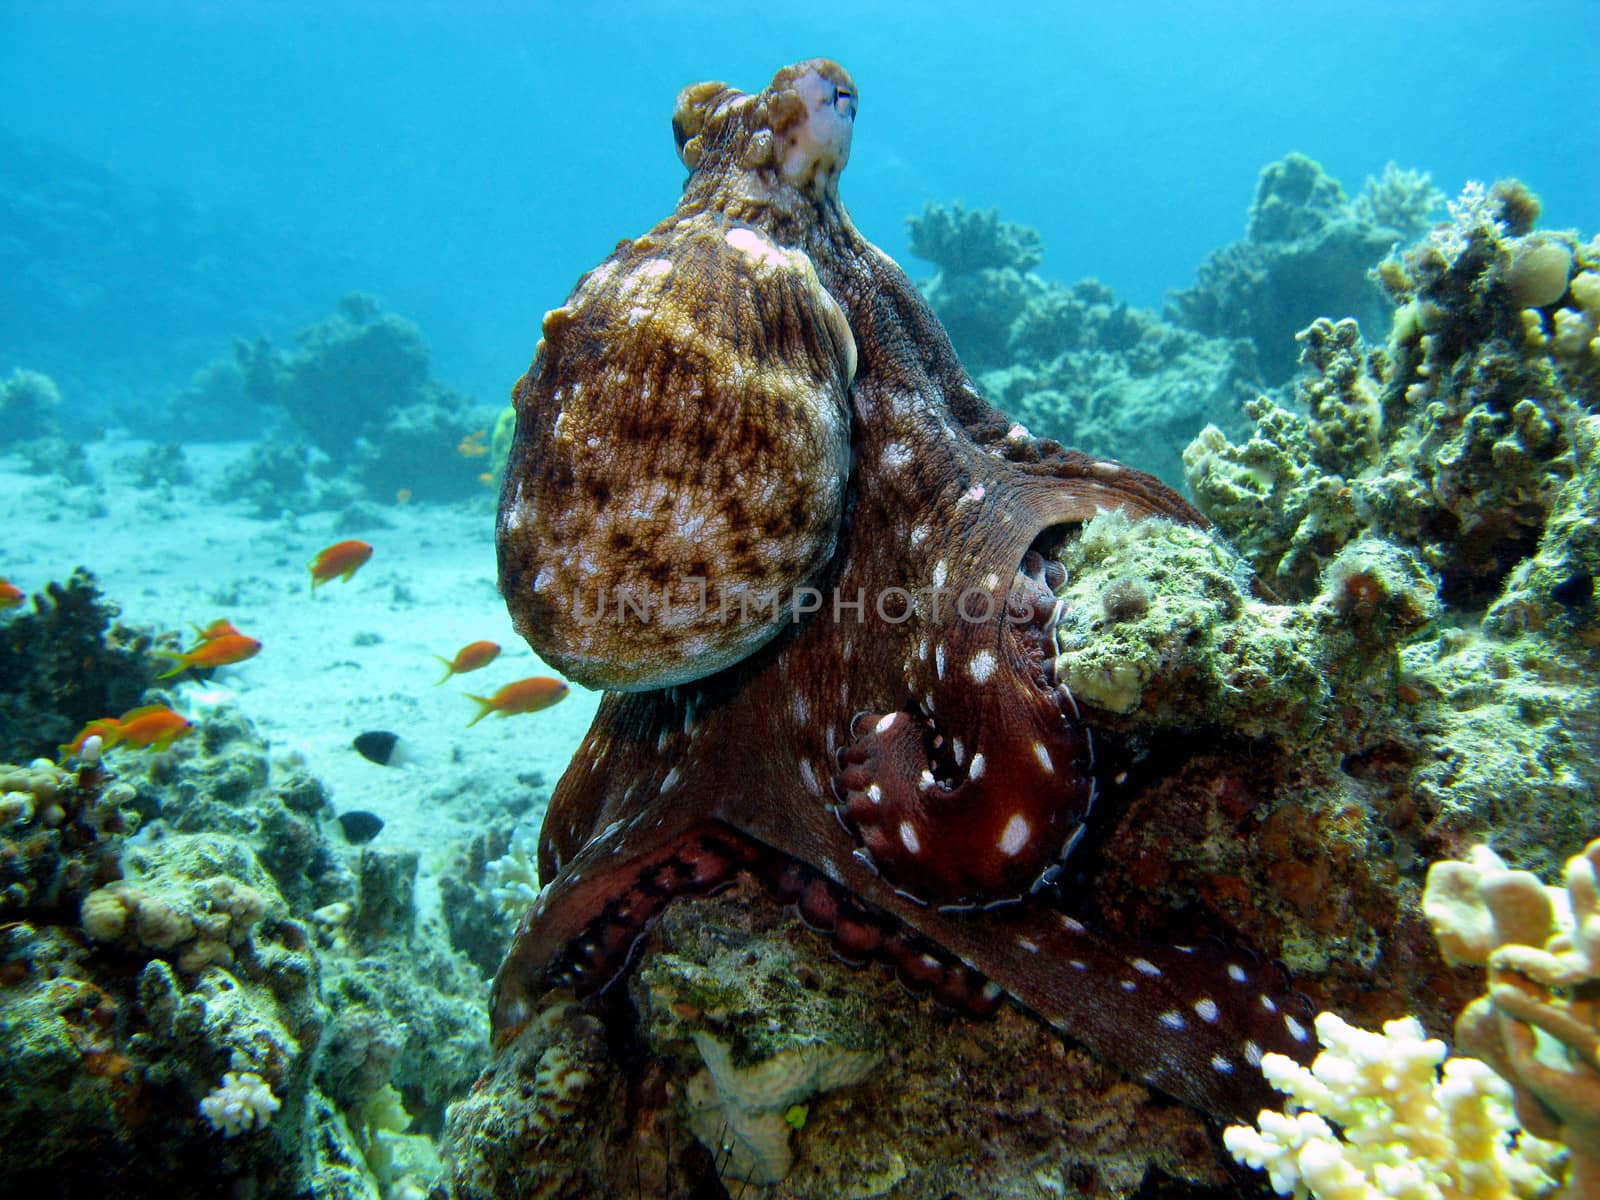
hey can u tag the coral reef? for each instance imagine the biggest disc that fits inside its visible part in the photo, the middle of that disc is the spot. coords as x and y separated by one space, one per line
30 407
222 997
1073 362
358 386
1308 252
66 663
84 251
1457 438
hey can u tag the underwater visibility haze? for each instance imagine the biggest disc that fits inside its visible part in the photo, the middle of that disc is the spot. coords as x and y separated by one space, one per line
908 602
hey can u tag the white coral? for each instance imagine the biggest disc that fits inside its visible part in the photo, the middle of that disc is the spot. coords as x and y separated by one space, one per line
514 877
1375 1116
242 1102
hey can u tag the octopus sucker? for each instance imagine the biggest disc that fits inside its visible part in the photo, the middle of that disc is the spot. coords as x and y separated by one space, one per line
832 445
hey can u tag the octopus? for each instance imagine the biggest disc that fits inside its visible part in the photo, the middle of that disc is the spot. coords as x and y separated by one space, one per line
754 496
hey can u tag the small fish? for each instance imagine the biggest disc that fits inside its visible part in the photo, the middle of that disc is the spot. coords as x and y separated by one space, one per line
469 658
403 496
472 445
340 560
151 727
360 826
523 696
221 651
104 729
488 479
220 628
10 595
381 747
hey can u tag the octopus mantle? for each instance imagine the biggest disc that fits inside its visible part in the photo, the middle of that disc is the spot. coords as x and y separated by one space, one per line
754 494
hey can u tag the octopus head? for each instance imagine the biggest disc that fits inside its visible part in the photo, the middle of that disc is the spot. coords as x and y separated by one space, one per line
799 126
814 115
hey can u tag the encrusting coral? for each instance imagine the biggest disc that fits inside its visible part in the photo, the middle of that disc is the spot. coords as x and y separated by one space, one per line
1455 439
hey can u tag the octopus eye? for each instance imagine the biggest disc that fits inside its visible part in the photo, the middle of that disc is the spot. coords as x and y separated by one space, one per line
844 102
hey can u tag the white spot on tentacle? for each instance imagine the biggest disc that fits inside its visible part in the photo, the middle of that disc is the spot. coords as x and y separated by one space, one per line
809 778
1015 837
975 773
1043 755
1172 1019
1236 973
982 667
1206 1009
1144 966
908 839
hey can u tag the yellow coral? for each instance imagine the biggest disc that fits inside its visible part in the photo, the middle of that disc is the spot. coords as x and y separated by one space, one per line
1539 1024
1376 1117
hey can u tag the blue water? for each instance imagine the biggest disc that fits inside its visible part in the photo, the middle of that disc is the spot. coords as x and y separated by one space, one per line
467 161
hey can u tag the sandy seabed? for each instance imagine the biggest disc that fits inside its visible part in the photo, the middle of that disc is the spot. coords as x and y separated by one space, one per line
350 657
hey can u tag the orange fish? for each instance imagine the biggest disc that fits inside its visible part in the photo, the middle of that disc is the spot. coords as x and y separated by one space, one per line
523 696
469 658
103 729
221 651
472 445
221 627
10 595
341 560
152 727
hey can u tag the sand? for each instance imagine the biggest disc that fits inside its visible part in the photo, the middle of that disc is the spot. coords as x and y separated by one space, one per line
348 658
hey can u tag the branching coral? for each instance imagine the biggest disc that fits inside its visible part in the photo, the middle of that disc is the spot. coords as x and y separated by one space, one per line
1376 1117
962 242
240 1103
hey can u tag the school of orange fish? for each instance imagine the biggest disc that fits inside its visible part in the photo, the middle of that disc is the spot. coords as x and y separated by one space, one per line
219 644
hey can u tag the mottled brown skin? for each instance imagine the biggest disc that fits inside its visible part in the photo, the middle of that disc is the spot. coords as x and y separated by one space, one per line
677 788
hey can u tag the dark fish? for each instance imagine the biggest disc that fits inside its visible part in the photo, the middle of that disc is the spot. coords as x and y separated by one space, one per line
360 827
377 745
